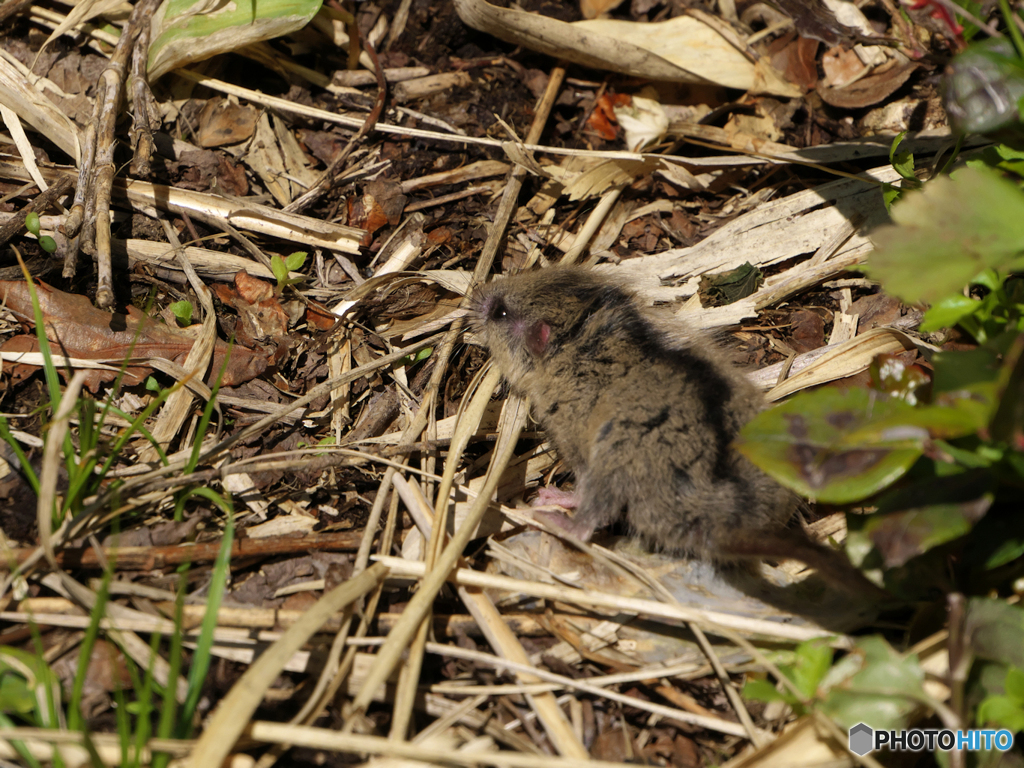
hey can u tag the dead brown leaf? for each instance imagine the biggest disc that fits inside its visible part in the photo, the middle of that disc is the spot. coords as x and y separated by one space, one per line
842 88
814 19
367 213
223 122
320 317
796 58
876 310
591 9
261 314
808 330
78 329
231 178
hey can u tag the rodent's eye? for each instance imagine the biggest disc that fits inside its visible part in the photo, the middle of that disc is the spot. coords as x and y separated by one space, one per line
498 311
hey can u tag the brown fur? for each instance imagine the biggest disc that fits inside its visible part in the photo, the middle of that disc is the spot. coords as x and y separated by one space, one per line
645 421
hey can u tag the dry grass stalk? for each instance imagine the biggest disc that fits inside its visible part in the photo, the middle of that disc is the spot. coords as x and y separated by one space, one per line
235 710
710 621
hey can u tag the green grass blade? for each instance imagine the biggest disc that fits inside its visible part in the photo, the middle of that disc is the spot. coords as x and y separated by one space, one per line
203 654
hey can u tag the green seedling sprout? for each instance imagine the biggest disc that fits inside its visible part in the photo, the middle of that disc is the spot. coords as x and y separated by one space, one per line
46 242
282 267
903 164
411 359
182 311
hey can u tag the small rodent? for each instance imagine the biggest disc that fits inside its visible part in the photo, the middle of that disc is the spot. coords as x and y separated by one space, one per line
644 419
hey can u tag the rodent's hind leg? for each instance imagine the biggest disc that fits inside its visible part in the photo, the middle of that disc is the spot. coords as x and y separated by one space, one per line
599 505
593 510
557 520
555 497
549 495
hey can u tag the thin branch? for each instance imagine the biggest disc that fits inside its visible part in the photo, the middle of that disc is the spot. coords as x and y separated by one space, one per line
42 201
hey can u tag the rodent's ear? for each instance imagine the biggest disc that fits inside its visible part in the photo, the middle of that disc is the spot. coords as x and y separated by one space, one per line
537 336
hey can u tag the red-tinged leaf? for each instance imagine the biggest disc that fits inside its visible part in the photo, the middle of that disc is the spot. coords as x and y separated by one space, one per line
259 310
899 536
896 378
602 120
319 317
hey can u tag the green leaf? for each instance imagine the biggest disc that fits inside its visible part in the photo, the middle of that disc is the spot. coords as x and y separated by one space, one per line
721 288
215 593
826 444
16 697
989 278
950 417
182 311
1004 152
874 684
279 268
762 690
1005 158
411 359
28 686
947 312
295 261
973 372
902 162
194 30
987 680
32 223
839 447
1006 710
994 629
1008 551
1015 167
1014 684
1003 711
901 535
1008 420
948 232
813 660
47 243
890 195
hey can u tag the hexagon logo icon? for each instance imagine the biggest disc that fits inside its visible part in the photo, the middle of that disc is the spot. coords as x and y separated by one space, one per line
861 739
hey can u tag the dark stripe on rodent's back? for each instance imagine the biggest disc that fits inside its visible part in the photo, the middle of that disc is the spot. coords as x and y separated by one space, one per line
656 421
716 393
625 321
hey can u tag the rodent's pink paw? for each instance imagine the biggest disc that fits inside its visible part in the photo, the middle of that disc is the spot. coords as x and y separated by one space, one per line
562 522
549 495
557 520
